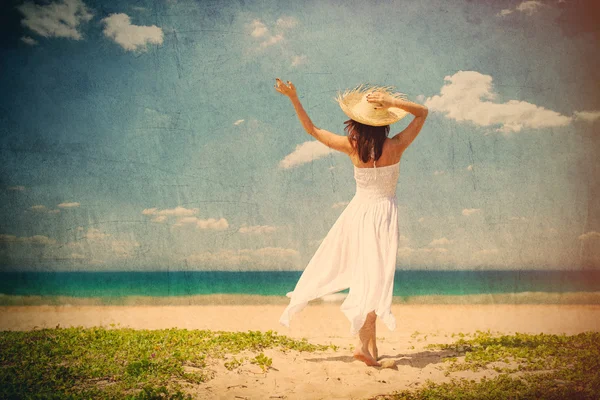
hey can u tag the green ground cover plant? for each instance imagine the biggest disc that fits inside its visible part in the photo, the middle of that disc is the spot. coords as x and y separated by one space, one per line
101 363
546 367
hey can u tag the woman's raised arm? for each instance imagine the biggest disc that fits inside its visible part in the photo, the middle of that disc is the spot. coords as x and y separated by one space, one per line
290 91
329 139
406 137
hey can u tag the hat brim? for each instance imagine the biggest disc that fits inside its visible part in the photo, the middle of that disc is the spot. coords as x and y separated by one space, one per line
392 116
350 99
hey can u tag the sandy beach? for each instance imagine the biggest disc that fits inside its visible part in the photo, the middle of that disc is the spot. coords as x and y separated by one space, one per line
328 374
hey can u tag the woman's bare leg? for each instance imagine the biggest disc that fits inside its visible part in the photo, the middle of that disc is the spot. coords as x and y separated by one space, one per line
373 339
361 352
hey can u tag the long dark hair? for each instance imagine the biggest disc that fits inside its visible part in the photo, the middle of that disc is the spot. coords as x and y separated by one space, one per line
363 138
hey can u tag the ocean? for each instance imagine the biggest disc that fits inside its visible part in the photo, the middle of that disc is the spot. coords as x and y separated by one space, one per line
204 287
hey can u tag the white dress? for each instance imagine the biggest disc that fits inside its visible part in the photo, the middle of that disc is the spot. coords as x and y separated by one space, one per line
359 253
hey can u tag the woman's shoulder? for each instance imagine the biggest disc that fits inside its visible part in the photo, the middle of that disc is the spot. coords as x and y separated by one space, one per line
392 149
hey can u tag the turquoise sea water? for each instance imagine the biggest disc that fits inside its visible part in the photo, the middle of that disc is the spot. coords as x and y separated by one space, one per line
277 283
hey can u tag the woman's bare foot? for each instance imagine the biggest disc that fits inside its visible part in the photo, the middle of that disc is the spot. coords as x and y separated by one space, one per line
373 349
366 336
372 342
364 356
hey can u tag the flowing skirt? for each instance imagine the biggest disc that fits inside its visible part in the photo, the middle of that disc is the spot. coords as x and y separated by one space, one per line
359 252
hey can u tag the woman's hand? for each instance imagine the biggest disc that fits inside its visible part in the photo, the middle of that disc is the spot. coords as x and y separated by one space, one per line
282 88
383 100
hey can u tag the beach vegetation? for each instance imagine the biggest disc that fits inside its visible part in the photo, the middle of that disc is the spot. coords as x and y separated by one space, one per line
234 363
125 363
542 366
102 363
262 361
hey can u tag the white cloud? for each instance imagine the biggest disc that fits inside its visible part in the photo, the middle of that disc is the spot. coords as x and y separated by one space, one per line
124 248
403 241
261 32
439 172
439 256
467 97
57 19
160 219
470 168
420 98
210 223
589 235
470 211
39 239
299 60
187 220
528 7
266 258
287 22
340 204
258 28
40 208
487 251
93 247
485 254
304 153
432 250
432 255
29 40
96 234
315 242
186 216
96 247
404 252
239 121
35 239
587 116
271 40
118 27
422 255
257 229
174 212
484 257
68 205
440 242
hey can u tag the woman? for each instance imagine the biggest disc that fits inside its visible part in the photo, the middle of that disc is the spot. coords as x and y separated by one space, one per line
359 252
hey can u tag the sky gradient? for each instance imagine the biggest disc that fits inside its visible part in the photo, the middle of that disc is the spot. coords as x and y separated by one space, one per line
147 135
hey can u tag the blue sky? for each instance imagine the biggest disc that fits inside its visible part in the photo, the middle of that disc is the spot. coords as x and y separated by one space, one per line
139 135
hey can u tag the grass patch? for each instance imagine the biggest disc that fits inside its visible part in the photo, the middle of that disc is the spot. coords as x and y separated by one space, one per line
124 363
549 367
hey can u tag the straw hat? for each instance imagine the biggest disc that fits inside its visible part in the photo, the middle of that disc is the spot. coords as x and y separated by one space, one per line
355 105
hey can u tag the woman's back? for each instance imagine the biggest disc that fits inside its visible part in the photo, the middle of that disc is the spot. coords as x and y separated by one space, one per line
390 155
